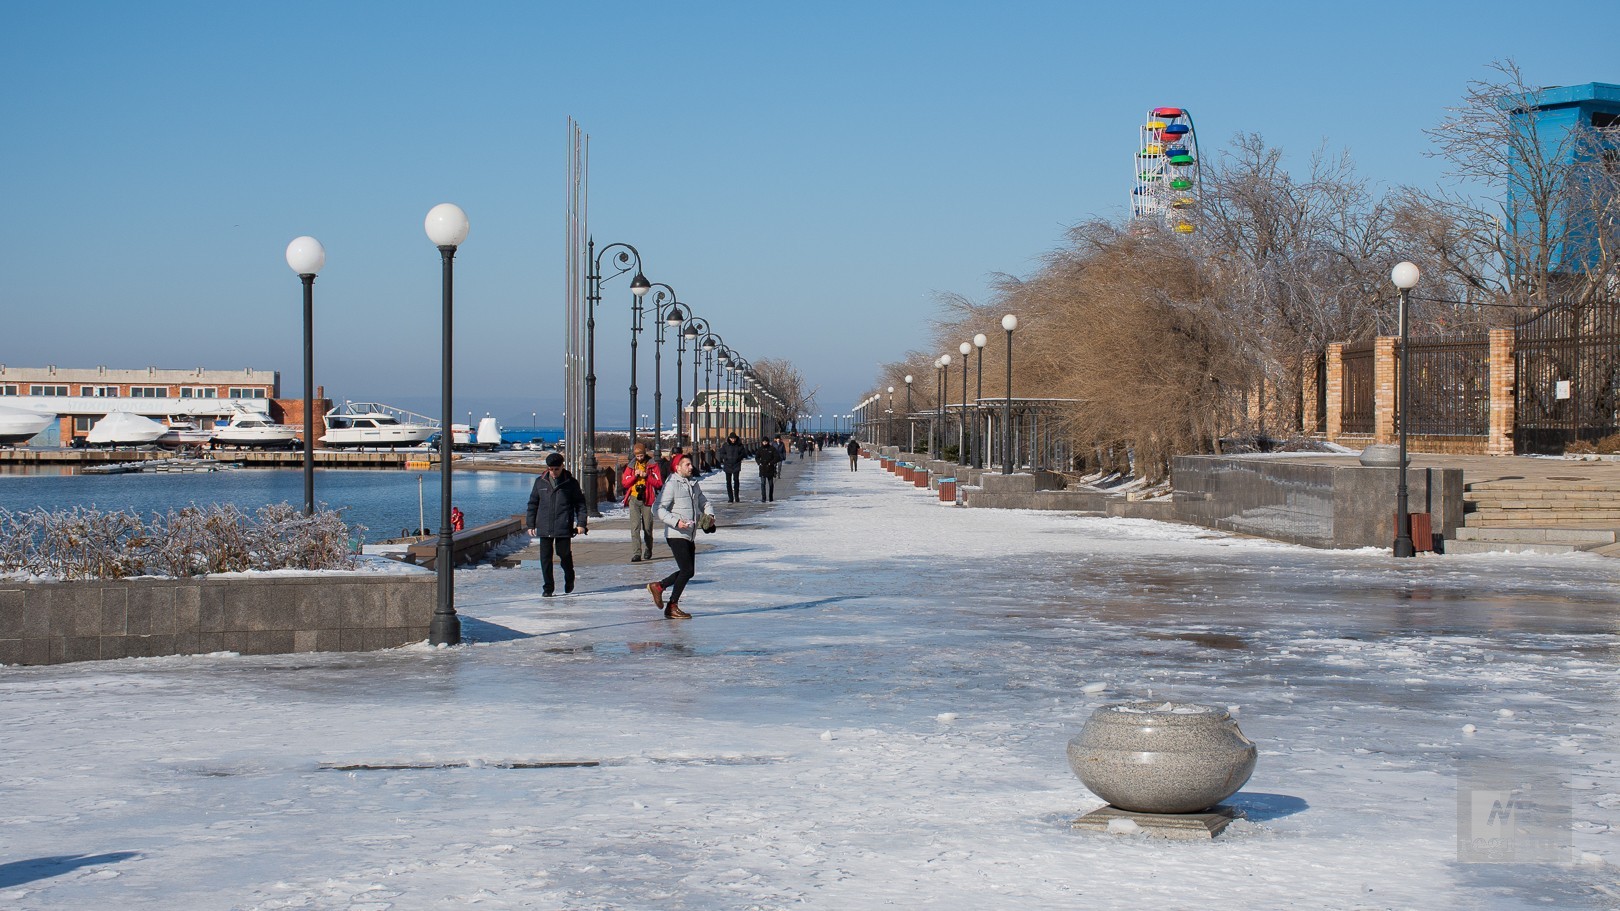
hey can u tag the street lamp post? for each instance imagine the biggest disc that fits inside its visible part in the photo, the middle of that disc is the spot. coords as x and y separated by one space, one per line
1405 278
978 393
623 261
944 397
666 308
961 430
1009 323
888 420
306 256
911 428
446 226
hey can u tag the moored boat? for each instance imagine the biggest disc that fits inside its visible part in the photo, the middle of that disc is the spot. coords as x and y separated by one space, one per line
254 429
374 424
121 428
18 425
183 431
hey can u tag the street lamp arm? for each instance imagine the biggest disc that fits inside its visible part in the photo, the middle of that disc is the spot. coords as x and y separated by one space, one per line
626 258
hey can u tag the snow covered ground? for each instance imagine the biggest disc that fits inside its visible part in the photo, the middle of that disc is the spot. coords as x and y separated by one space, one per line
869 710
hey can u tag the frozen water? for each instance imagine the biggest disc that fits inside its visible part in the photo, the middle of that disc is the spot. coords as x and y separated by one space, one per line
789 746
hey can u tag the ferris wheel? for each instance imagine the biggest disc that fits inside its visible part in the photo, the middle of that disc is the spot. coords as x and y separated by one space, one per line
1167 183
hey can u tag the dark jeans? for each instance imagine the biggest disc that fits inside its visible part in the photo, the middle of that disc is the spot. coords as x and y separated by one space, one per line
853 459
564 548
733 486
685 553
767 489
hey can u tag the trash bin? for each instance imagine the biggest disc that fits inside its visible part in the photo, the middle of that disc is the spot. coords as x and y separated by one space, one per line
947 490
919 477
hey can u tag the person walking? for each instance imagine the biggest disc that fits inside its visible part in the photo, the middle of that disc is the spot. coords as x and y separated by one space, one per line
768 459
731 457
641 480
556 513
683 509
854 449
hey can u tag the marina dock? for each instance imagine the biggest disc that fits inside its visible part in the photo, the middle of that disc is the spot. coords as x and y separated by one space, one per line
111 461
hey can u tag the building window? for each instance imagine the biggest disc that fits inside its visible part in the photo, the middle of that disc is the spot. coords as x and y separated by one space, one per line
148 392
99 392
246 392
8 390
48 390
82 423
199 392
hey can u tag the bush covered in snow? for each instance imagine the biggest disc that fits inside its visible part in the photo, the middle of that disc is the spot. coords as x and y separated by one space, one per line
87 543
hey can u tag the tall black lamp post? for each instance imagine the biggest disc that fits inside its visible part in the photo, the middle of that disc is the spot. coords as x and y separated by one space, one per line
966 348
911 429
623 261
1009 323
667 311
446 226
1405 277
944 397
979 441
306 256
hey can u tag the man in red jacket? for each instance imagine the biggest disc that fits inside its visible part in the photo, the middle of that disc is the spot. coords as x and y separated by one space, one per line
642 483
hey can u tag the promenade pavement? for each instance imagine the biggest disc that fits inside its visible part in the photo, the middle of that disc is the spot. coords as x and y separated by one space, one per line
868 710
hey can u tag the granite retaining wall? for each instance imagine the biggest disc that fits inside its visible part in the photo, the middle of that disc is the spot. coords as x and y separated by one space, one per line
57 622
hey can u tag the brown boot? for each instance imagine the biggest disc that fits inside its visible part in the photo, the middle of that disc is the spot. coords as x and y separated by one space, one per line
674 612
657 591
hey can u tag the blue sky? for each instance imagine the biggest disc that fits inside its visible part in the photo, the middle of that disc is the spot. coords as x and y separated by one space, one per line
807 176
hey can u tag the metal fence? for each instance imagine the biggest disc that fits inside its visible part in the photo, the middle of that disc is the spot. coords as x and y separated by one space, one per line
1450 393
1356 399
1567 385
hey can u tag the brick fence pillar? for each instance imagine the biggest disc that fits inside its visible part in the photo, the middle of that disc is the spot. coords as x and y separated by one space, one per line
1385 428
1335 391
1503 379
1309 391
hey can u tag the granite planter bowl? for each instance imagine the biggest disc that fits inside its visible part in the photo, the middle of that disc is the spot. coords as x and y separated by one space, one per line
1161 757
1382 455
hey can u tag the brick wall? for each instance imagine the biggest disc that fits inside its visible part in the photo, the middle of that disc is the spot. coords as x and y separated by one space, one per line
1386 426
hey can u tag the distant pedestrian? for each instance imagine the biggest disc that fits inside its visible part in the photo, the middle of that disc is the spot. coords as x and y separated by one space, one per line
731 457
767 459
556 513
642 481
781 450
458 520
683 509
854 449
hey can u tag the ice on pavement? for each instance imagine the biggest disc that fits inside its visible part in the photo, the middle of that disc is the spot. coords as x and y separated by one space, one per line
869 710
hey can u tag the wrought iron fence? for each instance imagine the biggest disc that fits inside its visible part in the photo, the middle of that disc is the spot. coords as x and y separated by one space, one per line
1356 392
1568 378
1450 393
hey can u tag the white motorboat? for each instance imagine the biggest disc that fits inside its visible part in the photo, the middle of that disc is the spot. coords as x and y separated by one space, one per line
183 431
373 424
121 428
18 426
254 428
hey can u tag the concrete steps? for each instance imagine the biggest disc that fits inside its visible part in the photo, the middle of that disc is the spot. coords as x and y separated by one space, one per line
1539 517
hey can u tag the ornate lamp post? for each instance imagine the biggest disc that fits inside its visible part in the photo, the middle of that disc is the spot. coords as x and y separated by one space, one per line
978 393
695 330
888 420
667 311
447 227
306 256
966 348
623 260
911 429
1405 278
1009 323
944 396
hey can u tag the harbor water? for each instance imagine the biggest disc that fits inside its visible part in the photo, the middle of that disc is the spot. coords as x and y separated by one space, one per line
385 502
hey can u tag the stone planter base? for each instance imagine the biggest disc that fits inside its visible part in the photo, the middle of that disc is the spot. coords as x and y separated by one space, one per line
58 622
1180 826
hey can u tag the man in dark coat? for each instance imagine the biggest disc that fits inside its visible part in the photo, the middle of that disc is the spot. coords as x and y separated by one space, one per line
854 450
556 513
768 460
731 457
